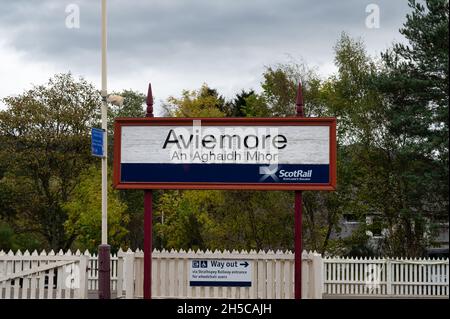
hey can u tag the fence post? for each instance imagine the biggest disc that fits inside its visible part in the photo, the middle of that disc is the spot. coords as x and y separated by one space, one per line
120 255
388 277
83 288
306 280
129 274
317 265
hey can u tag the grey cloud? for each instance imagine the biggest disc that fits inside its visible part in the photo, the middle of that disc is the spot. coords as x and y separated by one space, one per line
181 36
164 26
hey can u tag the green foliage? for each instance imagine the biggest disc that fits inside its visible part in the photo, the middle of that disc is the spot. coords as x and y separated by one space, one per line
13 240
257 220
84 213
414 82
322 210
358 244
205 102
255 106
134 203
247 104
239 104
185 218
45 147
280 88
225 220
133 106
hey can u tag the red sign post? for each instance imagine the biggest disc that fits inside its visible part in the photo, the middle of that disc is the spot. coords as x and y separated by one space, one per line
148 216
298 210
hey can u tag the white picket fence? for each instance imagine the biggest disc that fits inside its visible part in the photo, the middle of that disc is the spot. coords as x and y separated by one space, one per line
272 275
386 277
43 276
67 275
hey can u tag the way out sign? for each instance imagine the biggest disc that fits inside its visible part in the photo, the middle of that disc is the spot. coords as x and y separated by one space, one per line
214 273
225 153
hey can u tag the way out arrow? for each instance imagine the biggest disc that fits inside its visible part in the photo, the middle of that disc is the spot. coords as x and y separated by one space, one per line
244 264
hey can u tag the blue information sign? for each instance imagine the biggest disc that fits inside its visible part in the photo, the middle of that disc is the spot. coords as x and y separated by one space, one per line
97 136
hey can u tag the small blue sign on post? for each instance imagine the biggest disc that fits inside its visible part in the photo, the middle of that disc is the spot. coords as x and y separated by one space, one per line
97 137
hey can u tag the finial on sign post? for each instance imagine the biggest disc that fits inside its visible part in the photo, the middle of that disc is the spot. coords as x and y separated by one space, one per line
299 101
149 112
148 213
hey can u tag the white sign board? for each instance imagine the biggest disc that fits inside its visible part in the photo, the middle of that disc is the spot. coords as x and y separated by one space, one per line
225 145
216 272
270 154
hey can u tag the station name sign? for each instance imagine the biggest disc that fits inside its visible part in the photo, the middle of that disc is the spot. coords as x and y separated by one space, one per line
225 153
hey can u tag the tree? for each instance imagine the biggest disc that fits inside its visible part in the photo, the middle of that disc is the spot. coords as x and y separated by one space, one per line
45 147
256 220
279 90
414 82
248 104
368 166
205 102
84 213
280 87
133 106
207 220
11 240
255 106
187 218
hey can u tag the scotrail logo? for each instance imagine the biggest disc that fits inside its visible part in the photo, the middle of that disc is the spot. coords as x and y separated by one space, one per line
285 175
269 171
297 174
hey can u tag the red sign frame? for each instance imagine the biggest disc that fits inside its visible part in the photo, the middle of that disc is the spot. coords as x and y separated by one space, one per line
165 121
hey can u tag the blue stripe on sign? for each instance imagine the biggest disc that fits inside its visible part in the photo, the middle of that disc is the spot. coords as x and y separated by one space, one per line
220 283
222 173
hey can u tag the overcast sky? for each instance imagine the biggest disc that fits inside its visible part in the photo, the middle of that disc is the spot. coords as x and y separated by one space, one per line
180 44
